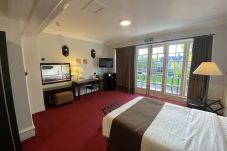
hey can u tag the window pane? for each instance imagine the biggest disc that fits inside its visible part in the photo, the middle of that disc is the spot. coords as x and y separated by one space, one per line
174 69
157 68
160 50
180 48
172 48
142 67
155 50
143 51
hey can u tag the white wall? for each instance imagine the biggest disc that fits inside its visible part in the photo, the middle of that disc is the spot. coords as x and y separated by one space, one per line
216 89
16 67
49 47
32 67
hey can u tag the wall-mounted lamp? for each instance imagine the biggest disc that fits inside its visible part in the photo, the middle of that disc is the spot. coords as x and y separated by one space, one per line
65 50
93 53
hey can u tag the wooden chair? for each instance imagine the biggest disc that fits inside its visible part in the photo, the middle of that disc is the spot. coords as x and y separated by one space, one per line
92 87
110 107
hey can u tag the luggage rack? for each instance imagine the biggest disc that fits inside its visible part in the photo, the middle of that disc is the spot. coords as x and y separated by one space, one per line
214 106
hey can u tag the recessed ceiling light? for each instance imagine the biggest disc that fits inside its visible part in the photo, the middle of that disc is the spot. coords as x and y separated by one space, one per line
125 22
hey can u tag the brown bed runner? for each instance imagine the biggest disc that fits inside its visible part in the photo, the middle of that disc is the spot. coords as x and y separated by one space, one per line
128 128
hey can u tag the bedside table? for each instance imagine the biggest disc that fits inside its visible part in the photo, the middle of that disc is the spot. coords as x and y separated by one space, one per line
196 104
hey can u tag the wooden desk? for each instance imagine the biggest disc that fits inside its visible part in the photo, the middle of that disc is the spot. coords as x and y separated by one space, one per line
49 92
78 84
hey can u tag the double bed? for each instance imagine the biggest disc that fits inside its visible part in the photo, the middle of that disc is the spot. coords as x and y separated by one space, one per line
169 128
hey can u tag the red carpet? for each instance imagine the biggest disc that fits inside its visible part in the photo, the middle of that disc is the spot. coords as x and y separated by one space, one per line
75 126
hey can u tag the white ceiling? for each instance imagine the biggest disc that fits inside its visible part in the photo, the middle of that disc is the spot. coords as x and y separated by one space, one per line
147 16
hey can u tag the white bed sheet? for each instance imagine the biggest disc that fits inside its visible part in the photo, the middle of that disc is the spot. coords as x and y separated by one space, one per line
178 128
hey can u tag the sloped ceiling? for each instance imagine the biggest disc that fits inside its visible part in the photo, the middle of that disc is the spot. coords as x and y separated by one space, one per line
3 7
34 15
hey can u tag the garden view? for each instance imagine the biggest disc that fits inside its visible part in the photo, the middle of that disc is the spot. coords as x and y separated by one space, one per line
174 68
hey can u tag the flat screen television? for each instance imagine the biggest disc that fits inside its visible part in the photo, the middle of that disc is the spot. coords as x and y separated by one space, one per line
105 62
55 72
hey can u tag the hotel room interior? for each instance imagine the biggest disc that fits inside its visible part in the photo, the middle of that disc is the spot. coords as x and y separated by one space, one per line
113 75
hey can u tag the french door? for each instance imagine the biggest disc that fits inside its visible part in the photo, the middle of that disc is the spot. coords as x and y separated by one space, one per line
163 69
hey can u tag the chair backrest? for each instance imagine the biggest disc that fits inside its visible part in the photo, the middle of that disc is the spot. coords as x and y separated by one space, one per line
110 107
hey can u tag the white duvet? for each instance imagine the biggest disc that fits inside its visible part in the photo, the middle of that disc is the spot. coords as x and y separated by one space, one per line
178 128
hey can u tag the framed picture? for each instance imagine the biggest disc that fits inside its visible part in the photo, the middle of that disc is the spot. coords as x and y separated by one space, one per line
84 61
78 60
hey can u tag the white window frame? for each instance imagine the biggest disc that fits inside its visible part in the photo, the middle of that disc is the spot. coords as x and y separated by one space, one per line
163 93
186 52
139 89
153 92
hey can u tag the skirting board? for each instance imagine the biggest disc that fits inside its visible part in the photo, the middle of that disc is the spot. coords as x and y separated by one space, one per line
39 110
27 133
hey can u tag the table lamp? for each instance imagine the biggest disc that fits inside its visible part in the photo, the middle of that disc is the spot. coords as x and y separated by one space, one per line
77 73
207 69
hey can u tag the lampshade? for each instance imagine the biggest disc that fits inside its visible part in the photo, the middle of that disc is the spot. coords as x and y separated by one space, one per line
208 68
77 73
77 69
